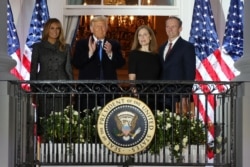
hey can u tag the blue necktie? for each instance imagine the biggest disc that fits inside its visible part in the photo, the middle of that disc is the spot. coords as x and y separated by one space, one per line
99 44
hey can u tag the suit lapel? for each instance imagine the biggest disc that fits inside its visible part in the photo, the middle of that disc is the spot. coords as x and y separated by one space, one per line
176 45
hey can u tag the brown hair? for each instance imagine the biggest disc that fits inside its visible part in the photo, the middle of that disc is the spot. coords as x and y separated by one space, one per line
45 34
153 43
175 18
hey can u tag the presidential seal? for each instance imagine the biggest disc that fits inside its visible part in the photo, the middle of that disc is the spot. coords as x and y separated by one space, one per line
126 125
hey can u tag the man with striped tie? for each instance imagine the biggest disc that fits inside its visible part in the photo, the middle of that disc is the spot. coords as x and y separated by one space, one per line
177 58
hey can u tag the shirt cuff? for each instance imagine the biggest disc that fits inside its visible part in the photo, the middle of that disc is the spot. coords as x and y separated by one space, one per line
110 56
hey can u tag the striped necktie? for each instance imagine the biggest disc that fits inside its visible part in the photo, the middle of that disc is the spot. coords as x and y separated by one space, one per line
169 49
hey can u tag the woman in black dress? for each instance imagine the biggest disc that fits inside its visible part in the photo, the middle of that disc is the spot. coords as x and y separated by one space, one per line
143 60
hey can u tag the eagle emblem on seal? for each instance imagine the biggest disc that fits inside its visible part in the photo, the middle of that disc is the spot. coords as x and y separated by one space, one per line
126 124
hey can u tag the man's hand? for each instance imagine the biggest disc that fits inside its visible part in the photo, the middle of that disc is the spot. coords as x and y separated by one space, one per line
92 46
108 48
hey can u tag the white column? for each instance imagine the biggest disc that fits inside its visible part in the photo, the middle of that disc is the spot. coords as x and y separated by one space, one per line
243 64
4 128
242 123
242 107
6 63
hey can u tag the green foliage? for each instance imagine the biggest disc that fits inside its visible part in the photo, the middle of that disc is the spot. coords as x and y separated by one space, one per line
69 126
172 130
176 132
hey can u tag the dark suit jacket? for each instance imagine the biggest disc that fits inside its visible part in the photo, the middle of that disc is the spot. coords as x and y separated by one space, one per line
180 64
89 68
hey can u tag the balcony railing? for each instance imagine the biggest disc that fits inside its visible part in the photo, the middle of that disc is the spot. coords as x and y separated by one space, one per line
68 123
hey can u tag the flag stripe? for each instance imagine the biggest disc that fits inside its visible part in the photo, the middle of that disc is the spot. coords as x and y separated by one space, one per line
204 36
13 43
224 67
27 59
39 17
203 110
212 64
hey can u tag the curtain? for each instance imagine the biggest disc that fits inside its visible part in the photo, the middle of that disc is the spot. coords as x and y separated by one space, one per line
71 23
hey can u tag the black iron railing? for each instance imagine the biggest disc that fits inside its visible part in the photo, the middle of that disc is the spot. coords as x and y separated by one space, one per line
57 123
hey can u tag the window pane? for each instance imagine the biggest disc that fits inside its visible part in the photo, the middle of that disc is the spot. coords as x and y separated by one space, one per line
121 2
116 2
158 2
135 2
92 2
86 2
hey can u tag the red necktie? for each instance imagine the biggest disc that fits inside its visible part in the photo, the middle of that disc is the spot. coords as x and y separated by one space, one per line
169 49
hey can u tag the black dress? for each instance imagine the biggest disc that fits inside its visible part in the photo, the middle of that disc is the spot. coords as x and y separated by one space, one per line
146 66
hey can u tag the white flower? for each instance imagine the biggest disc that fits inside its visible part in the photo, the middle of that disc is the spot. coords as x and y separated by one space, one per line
176 147
218 150
167 110
96 108
168 126
178 118
159 113
219 139
85 110
75 113
184 141
171 114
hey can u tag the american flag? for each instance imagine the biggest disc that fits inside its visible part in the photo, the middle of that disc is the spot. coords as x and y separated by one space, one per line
13 43
210 66
233 38
39 17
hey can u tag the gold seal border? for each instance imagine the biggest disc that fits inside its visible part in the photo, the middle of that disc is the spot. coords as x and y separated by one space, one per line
126 101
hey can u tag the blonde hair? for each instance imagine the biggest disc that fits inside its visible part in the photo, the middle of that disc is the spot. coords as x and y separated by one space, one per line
99 18
153 43
45 34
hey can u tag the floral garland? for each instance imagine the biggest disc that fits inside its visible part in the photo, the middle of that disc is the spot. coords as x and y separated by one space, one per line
173 130
177 132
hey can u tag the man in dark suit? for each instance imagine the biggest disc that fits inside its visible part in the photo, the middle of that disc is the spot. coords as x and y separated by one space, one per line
178 60
97 57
